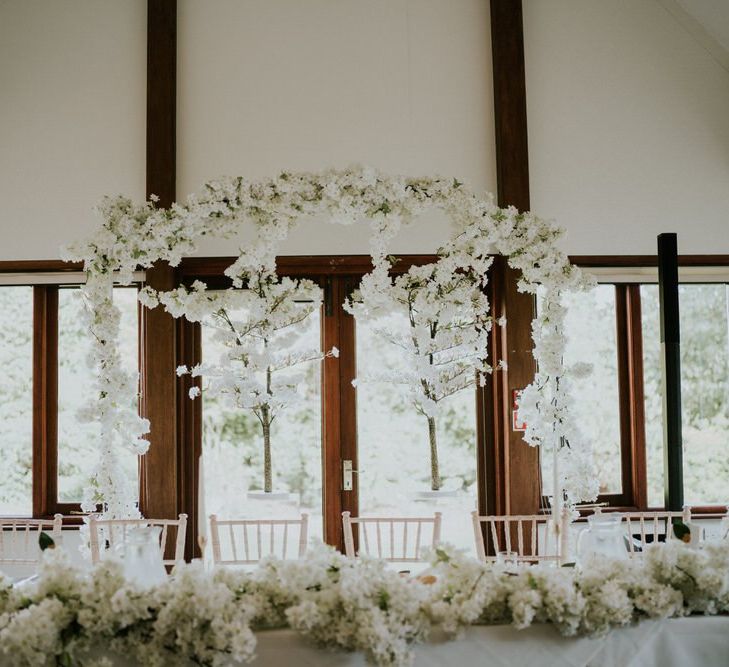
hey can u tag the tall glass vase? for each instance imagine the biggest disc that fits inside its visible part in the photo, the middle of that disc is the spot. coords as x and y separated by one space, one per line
143 563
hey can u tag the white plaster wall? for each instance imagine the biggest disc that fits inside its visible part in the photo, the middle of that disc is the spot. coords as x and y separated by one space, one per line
628 112
628 127
72 117
402 85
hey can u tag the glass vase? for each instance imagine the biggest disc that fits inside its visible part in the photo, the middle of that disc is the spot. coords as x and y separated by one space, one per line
603 538
143 564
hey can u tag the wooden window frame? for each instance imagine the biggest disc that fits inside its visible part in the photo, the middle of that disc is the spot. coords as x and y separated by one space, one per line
45 405
338 276
45 371
631 400
628 314
44 438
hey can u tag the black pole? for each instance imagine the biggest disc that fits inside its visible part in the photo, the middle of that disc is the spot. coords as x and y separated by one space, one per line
671 367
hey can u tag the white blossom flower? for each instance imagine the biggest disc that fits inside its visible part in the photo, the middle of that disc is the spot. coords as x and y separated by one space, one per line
136 236
211 617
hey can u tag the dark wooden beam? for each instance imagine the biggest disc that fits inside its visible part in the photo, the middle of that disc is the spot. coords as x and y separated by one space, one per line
671 351
511 460
162 490
510 111
161 99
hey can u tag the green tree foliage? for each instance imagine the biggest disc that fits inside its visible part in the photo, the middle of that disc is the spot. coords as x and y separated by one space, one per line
704 391
16 395
590 329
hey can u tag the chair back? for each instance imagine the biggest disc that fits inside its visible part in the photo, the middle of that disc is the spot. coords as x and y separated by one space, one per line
531 537
247 541
724 526
394 539
644 528
105 534
19 538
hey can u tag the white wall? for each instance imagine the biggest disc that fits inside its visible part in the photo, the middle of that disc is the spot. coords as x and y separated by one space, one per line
72 117
402 85
628 127
628 112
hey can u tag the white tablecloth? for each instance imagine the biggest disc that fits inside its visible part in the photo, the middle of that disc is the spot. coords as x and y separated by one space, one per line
684 642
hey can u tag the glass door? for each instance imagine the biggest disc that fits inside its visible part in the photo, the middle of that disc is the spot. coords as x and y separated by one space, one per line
241 442
411 463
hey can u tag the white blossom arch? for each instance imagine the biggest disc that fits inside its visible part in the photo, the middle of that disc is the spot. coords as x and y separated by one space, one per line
135 235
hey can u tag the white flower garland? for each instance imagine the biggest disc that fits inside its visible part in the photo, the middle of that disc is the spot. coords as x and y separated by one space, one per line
134 235
210 618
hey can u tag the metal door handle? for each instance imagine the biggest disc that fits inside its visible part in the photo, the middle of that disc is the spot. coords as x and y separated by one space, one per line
347 472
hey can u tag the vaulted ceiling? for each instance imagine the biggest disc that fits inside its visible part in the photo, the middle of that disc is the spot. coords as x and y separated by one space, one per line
707 21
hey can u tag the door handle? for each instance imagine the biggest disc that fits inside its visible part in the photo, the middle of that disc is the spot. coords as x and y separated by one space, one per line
347 472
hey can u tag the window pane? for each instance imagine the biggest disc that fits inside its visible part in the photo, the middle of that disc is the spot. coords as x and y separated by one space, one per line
704 392
394 446
233 440
77 442
594 401
16 400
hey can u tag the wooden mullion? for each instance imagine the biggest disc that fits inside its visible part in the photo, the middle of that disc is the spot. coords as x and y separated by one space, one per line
339 411
141 383
189 436
523 475
40 492
330 435
159 493
348 397
624 398
637 396
631 399
45 399
492 412
492 417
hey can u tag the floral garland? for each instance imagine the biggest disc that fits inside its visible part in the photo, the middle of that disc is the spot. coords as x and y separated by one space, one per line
114 407
210 617
137 235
